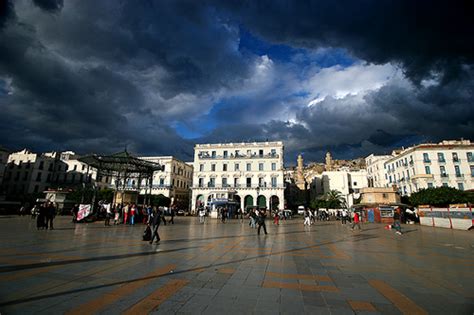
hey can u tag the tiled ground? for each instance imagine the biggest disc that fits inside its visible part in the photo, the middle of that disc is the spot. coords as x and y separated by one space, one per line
217 268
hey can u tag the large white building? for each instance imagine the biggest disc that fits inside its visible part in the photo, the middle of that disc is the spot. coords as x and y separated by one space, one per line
248 174
448 163
376 169
173 181
348 183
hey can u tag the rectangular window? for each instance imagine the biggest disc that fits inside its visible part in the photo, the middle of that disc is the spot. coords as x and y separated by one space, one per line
224 182
201 167
236 182
390 178
212 182
260 166
274 166
469 157
38 177
455 157
236 166
274 181
472 170
225 154
273 152
249 182
260 153
442 170
249 167
213 154
41 165
201 182
261 183
162 181
427 170
224 167
445 184
75 168
441 157
213 167
460 186
426 157
430 185
457 170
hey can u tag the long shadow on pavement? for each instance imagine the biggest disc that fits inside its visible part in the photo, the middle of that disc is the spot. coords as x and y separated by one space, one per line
45 296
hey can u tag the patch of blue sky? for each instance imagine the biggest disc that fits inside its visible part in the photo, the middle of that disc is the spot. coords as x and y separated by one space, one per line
324 57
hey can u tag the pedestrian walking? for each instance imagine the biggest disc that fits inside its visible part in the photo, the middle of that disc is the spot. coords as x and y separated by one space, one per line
202 215
125 214
356 221
276 218
241 215
396 221
50 215
162 214
40 219
344 216
116 215
155 221
108 214
253 218
307 219
261 221
172 213
133 212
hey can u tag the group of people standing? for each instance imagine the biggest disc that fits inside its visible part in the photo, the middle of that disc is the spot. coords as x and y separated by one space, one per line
131 213
45 214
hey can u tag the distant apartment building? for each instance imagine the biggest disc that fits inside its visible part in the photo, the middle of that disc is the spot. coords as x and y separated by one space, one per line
376 169
27 172
448 163
173 181
239 174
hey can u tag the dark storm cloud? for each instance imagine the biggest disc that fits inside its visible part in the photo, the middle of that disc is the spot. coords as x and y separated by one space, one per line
104 75
81 78
424 36
49 5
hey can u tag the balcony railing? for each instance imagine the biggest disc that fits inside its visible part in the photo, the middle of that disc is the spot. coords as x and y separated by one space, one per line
441 160
426 160
459 175
444 175
238 186
238 156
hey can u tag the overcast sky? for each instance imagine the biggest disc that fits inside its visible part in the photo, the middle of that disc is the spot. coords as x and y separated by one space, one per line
157 77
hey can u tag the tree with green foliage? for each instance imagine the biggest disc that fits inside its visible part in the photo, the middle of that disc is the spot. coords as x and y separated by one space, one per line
440 197
334 199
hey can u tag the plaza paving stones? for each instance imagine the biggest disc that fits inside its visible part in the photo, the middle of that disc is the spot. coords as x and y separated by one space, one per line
216 268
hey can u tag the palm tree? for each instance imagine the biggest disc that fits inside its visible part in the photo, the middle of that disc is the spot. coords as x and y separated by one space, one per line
334 199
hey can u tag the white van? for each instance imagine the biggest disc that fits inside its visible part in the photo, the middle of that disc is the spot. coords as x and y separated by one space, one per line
301 210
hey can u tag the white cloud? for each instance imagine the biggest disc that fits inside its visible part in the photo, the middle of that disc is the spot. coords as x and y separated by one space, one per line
338 82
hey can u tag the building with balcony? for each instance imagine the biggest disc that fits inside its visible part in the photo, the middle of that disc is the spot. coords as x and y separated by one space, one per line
173 181
241 174
448 163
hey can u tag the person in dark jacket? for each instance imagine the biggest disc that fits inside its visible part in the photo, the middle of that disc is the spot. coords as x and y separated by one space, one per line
155 221
50 214
261 221
40 219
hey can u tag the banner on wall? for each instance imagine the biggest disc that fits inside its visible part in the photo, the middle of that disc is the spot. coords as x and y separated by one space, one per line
84 211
